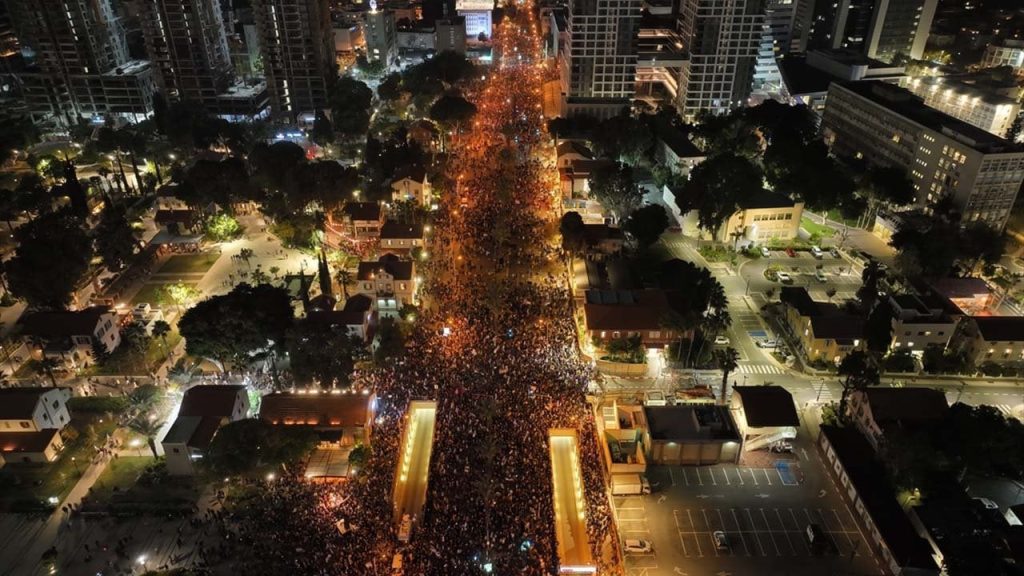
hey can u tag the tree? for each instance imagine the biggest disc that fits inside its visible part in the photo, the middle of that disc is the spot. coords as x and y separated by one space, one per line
612 185
716 188
160 330
878 329
114 238
350 102
46 367
391 343
390 88
344 279
727 134
647 224
727 361
372 68
51 260
222 227
244 446
148 429
180 294
238 325
452 110
870 277
16 133
359 456
324 354
275 166
322 132
134 336
887 186
623 138
573 232
859 375
808 171
980 242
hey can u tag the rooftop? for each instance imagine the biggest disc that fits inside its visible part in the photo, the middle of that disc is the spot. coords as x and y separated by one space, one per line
395 229
63 323
906 404
19 403
322 410
766 199
27 441
690 422
678 140
767 406
362 210
910 106
398 269
414 172
868 476
217 400
1000 328
573 147
192 431
625 310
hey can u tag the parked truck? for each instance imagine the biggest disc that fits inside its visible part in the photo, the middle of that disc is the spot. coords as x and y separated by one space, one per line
629 485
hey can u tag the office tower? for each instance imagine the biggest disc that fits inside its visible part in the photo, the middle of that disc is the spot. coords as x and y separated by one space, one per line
188 47
450 34
381 37
297 44
888 126
1005 52
776 38
601 59
724 40
77 61
888 30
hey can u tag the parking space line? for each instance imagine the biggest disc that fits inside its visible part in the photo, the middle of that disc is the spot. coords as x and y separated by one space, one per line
700 552
767 477
682 541
844 532
770 532
714 548
753 476
712 472
739 529
700 481
785 532
726 472
754 530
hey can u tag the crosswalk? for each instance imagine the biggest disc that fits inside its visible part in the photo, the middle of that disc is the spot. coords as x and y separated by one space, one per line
1007 410
759 369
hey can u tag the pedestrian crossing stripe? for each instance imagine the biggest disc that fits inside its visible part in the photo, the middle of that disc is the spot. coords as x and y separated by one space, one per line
759 369
1006 409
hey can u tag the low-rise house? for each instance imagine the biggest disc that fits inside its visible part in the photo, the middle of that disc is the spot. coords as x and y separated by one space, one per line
358 220
31 420
761 218
919 322
569 151
399 238
675 149
821 330
613 314
204 409
340 418
878 410
575 177
764 415
411 185
995 339
602 239
389 282
689 434
68 336
970 295
356 317
851 462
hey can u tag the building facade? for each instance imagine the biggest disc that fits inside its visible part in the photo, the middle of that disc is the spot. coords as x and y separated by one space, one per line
889 126
888 30
724 39
380 35
989 111
1006 52
297 43
600 64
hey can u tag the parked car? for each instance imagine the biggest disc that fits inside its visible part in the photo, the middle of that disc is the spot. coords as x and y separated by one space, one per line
790 252
769 343
820 275
818 539
637 546
721 540
816 252
988 503
784 277
721 340
834 252
766 252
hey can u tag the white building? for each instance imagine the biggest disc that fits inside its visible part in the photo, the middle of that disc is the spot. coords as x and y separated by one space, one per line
381 36
204 409
1004 53
600 64
990 112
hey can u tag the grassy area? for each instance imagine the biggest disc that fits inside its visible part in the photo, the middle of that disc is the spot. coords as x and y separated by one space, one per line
127 361
717 254
189 263
21 485
120 475
154 294
816 228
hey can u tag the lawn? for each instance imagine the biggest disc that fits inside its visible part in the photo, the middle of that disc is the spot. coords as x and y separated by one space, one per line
120 475
127 361
189 263
816 228
154 294
22 485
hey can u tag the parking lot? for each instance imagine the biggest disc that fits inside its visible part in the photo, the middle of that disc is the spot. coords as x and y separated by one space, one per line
762 510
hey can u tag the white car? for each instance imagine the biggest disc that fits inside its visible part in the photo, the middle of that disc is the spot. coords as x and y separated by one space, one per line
721 540
784 277
637 546
820 275
816 252
721 340
771 343
766 252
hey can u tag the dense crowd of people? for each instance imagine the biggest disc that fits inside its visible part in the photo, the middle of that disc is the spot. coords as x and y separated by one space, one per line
496 348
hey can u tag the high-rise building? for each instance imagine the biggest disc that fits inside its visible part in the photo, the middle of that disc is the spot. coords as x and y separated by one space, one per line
889 126
1004 52
888 30
187 44
297 44
450 35
381 37
977 106
600 64
724 39
77 61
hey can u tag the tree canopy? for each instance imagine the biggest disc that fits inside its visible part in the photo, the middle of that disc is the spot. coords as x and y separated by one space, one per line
350 102
613 186
573 232
238 325
452 109
51 260
647 224
114 238
245 446
717 186
324 354
623 138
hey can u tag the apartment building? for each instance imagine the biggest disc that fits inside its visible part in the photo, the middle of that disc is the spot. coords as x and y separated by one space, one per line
888 30
724 38
889 126
1006 52
297 43
381 37
600 63
992 112
79 65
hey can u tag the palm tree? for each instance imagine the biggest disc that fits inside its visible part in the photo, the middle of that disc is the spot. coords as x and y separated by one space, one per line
160 330
149 428
727 361
46 366
680 324
246 254
344 279
860 374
